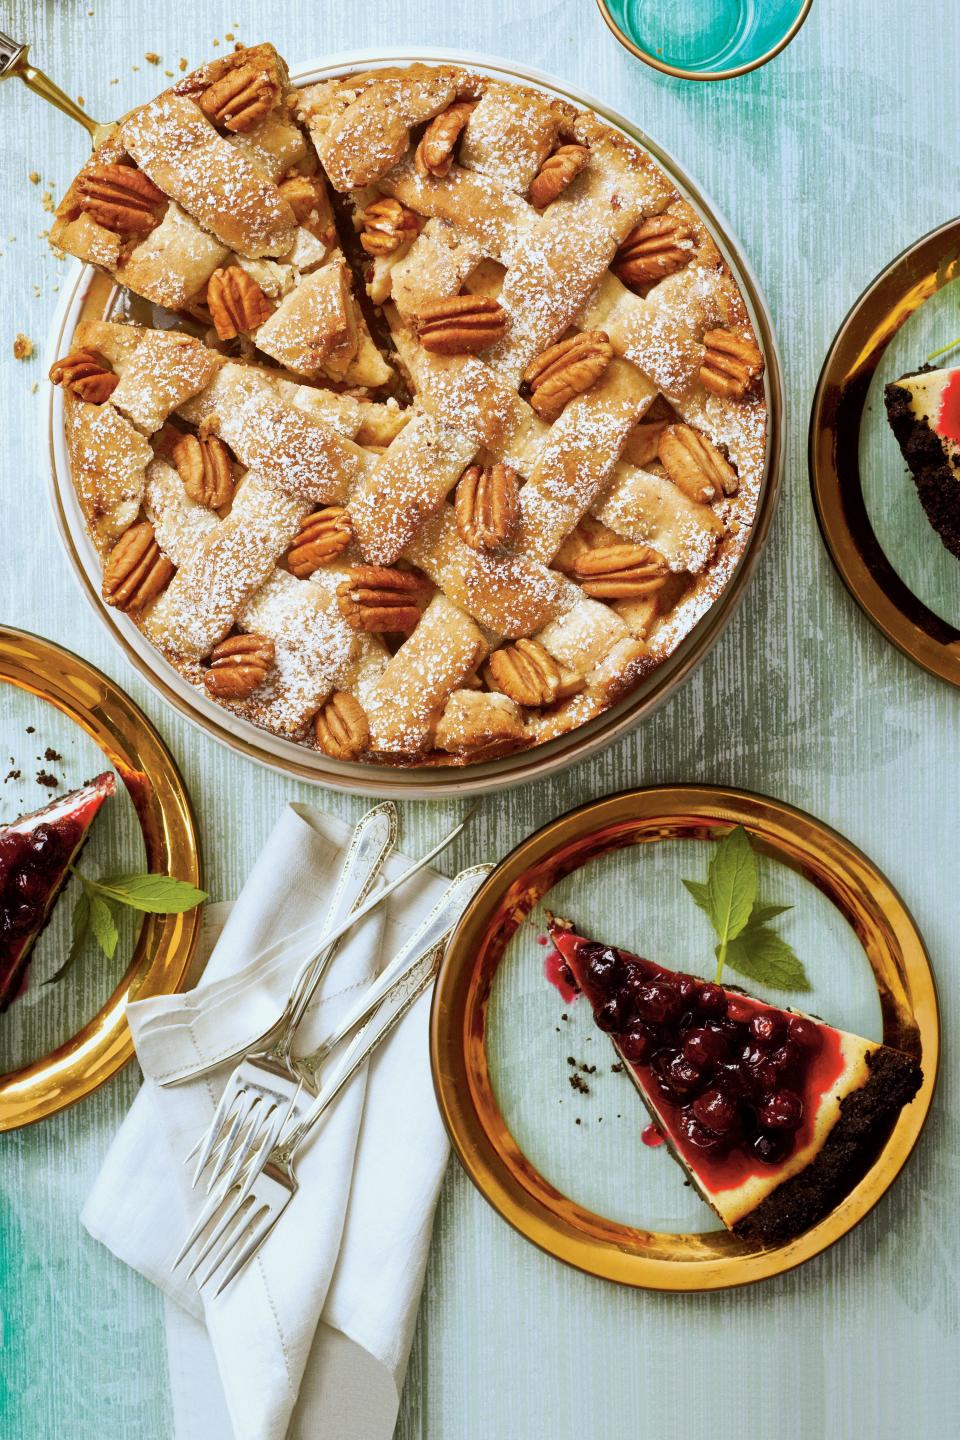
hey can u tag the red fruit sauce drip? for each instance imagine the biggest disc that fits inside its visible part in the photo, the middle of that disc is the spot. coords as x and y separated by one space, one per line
651 1136
557 972
948 421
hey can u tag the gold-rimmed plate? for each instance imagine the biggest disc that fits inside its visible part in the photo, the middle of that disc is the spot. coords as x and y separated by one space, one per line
888 556
65 716
563 1162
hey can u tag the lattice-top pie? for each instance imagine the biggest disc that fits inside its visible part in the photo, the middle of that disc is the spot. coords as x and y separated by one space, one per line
462 430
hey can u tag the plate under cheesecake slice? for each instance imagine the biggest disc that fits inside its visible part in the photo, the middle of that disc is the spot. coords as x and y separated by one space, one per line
36 853
773 1115
924 413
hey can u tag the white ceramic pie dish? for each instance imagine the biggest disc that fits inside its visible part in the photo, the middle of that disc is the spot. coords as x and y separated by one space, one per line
86 294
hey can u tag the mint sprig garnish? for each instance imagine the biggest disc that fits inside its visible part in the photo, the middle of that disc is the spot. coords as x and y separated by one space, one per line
94 911
746 941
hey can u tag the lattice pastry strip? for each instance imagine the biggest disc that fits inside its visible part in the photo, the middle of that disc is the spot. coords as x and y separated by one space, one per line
108 461
404 706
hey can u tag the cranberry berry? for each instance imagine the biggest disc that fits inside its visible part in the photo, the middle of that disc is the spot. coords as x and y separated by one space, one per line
717 1111
603 966
771 1149
782 1110
697 1134
657 1001
766 1029
712 1001
706 1045
803 1032
612 1015
636 1045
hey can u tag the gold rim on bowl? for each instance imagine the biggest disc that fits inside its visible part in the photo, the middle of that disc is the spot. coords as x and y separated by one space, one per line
506 1178
834 460
166 943
678 72
90 296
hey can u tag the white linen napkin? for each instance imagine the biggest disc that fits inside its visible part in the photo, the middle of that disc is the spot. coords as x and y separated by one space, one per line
312 1339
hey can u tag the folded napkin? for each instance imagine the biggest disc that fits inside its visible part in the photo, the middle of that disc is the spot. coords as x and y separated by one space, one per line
311 1339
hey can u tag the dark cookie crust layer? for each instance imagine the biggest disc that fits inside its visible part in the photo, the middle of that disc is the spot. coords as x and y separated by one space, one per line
936 483
866 1117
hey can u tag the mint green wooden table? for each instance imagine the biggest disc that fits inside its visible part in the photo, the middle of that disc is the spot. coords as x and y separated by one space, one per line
827 163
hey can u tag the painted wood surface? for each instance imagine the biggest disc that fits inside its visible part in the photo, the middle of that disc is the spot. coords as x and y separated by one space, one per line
827 163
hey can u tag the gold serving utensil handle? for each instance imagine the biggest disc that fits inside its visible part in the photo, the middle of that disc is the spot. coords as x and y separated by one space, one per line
14 60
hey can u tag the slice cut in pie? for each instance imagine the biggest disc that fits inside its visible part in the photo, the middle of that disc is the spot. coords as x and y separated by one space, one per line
924 414
773 1114
36 853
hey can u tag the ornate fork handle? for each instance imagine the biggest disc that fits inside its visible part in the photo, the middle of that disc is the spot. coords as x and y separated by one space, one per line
14 60
372 842
404 994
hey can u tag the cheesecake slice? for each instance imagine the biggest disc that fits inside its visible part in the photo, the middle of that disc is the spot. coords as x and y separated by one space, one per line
772 1114
36 853
924 413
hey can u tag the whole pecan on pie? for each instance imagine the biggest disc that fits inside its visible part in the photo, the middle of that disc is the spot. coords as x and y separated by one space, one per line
434 154
321 538
341 727
566 370
238 665
236 302
205 467
526 672
462 325
659 246
85 374
732 364
695 465
136 570
486 505
240 97
382 600
621 572
556 173
120 198
387 225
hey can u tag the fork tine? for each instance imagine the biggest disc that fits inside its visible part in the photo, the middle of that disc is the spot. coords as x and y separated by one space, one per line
225 1219
216 1125
240 1217
245 1101
262 1128
250 1248
203 1220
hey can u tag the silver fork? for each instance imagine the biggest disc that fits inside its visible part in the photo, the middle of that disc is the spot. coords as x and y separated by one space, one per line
225 1147
264 1083
246 1213
431 933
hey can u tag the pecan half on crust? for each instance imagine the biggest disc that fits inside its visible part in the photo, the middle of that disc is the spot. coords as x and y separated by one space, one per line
387 225
206 470
378 599
136 571
341 727
621 572
120 198
462 325
526 672
732 364
695 465
556 173
658 247
486 505
566 370
236 302
86 374
434 154
238 665
242 97
321 538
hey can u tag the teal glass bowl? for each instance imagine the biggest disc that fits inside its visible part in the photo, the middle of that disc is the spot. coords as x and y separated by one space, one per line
704 39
